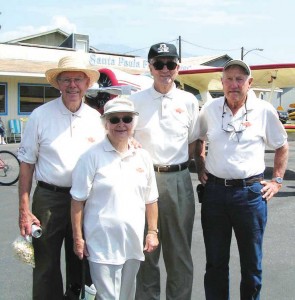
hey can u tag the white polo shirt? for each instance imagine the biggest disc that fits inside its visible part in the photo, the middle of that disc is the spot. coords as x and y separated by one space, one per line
117 188
239 153
54 139
166 124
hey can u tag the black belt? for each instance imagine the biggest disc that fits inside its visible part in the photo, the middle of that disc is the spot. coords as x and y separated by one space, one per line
171 168
235 182
53 188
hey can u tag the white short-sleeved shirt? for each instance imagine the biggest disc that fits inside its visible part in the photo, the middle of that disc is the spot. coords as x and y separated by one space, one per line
54 139
166 124
238 155
116 188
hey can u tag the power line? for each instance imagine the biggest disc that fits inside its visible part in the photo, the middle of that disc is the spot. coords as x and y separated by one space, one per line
193 44
132 51
207 48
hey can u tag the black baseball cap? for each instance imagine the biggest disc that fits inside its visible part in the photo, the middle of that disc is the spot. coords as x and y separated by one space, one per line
164 50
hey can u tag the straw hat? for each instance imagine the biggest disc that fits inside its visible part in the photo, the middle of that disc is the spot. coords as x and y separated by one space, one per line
69 64
119 104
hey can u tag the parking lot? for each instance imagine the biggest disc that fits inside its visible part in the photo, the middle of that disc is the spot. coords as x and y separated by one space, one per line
279 244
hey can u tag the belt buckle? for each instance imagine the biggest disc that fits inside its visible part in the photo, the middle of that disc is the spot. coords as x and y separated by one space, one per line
162 168
165 168
225 182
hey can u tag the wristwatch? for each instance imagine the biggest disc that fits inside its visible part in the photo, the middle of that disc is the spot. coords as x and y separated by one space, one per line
153 231
278 180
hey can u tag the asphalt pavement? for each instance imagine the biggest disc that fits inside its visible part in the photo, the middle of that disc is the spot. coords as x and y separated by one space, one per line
279 244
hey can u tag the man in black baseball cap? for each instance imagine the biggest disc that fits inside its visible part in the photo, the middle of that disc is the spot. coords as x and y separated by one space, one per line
166 129
162 50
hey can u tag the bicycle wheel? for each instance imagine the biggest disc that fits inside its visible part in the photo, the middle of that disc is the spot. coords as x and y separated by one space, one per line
9 168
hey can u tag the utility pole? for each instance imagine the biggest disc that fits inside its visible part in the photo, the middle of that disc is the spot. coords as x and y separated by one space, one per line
242 53
179 48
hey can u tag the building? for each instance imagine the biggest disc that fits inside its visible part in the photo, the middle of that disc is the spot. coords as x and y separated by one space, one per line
23 62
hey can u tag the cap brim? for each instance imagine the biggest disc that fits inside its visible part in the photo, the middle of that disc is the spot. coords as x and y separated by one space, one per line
238 63
118 111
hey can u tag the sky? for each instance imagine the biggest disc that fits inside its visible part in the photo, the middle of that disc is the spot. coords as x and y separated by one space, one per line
205 27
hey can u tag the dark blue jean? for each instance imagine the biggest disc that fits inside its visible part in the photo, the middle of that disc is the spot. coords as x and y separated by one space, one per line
243 210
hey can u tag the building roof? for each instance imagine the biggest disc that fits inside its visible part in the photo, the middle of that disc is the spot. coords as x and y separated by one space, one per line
38 35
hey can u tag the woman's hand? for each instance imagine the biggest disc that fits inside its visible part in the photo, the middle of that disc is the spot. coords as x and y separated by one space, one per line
80 248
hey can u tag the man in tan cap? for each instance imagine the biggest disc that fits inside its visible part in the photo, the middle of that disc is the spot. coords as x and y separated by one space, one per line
237 126
56 134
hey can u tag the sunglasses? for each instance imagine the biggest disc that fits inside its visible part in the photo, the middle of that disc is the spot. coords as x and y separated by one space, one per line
231 128
159 65
125 119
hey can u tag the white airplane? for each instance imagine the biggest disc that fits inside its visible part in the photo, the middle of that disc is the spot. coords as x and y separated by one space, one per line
267 80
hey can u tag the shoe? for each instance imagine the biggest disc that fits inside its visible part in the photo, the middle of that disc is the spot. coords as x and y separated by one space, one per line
3 143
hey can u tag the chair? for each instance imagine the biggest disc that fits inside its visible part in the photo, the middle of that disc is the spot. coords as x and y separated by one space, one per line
15 129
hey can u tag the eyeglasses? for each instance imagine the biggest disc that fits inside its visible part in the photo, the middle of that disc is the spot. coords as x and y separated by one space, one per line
159 65
67 81
117 120
231 128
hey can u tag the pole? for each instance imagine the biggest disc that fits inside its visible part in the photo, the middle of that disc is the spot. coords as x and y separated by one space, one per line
179 47
242 53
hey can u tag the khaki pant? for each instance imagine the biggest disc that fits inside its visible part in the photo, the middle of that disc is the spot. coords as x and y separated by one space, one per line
53 211
176 218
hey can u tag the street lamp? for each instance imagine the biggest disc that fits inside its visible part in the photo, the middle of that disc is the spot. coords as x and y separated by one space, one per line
243 54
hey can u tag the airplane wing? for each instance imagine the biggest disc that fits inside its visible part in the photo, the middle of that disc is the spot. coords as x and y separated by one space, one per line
273 76
269 77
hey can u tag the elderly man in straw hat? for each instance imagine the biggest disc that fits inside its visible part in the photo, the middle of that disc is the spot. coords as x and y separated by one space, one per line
56 134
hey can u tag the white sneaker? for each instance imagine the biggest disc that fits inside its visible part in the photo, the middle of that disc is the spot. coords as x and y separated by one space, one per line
3 143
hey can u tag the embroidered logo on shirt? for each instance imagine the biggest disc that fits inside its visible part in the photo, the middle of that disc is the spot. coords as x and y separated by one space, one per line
91 140
247 124
21 150
140 170
179 110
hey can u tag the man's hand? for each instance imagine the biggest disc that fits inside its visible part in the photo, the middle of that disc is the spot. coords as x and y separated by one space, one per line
270 189
135 143
26 219
151 242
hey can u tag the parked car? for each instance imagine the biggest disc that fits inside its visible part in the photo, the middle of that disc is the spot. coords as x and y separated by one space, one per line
283 116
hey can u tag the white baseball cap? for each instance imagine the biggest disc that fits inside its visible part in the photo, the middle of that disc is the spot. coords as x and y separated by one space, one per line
119 104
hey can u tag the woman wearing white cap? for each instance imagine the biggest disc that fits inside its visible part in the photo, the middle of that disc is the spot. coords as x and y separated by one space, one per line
113 188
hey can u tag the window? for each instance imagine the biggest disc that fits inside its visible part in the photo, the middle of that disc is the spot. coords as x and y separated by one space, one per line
81 45
32 96
3 98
